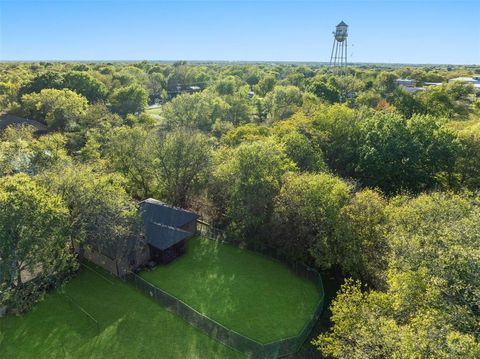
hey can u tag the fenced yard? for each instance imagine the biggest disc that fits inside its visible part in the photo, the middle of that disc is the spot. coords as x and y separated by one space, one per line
248 301
98 316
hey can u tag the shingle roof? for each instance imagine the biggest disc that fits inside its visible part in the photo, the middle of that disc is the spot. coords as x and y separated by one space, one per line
161 223
159 212
7 120
162 237
342 24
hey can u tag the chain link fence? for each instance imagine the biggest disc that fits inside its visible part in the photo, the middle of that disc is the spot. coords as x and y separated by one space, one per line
231 338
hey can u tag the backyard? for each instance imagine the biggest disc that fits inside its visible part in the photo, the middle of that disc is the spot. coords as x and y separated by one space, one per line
98 316
254 295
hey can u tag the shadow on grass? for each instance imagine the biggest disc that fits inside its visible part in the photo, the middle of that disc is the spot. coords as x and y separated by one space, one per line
130 326
247 292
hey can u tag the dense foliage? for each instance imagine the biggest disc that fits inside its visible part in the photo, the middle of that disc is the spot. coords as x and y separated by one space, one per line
376 183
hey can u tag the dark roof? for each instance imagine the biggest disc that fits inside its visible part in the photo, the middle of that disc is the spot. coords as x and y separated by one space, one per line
159 212
342 24
162 237
161 223
8 120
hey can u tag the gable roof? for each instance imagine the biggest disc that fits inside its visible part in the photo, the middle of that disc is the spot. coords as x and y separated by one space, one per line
162 237
161 223
342 24
12 120
159 212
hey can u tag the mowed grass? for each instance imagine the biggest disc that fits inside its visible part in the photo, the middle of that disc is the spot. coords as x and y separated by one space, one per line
130 326
252 294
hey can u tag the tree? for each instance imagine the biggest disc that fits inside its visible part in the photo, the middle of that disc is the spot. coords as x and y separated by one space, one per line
85 85
130 99
246 180
306 213
245 133
102 216
34 239
361 241
48 152
265 85
196 111
430 306
386 82
282 102
468 161
305 154
21 152
184 159
405 102
131 151
156 87
369 98
399 154
324 90
46 80
340 137
227 85
60 109
240 108
15 150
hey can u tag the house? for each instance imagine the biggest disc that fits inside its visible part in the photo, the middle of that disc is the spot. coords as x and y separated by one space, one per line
166 228
12 120
405 82
409 85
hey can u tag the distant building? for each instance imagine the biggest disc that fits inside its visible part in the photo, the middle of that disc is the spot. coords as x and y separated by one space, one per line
193 89
406 82
409 85
427 84
474 80
16 121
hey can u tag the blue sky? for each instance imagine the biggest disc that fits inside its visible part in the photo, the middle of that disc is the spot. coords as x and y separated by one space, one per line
432 31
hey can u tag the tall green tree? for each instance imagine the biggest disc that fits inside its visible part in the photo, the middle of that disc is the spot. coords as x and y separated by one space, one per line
184 161
246 180
59 109
195 111
34 239
131 151
306 214
306 154
282 102
130 99
45 80
360 237
101 216
431 304
399 154
86 85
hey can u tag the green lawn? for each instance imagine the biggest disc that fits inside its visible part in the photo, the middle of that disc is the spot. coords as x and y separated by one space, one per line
245 291
130 326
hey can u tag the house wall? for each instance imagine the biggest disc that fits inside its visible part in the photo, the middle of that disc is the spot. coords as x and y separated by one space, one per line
118 268
104 262
142 256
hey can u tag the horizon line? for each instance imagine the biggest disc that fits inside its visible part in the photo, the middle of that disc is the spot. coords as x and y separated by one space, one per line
237 61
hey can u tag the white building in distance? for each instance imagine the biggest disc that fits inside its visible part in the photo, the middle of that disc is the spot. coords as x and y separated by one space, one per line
474 80
409 85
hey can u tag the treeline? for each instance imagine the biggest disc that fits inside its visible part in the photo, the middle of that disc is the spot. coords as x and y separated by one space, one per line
351 174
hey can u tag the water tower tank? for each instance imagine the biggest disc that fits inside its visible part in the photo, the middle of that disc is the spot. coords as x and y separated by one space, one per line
341 32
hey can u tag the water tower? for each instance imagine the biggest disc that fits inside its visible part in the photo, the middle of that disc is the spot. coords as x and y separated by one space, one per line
339 50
